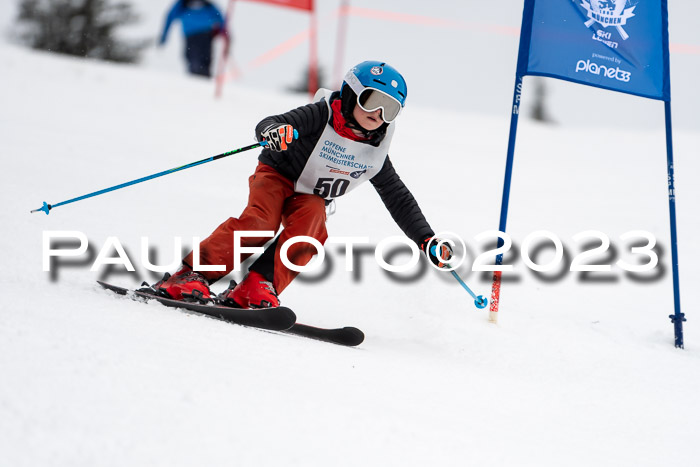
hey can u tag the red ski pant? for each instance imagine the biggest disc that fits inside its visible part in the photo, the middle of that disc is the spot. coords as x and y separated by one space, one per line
272 202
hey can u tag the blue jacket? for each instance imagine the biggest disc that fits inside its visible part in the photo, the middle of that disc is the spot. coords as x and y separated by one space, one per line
200 17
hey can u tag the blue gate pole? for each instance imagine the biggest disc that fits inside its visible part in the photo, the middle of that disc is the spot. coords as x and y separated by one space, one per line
517 93
677 318
496 285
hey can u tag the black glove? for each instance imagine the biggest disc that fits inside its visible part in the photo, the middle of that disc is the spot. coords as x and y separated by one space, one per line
438 251
278 136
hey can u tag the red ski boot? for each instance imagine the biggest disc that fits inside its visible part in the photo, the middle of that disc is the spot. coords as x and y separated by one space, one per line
253 292
185 284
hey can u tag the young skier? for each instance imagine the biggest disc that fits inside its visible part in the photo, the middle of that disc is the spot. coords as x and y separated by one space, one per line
343 141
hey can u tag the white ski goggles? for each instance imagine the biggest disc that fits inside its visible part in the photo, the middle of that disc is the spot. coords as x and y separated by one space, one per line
370 100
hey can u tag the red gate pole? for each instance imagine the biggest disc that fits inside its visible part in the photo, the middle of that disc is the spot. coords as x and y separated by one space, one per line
340 42
313 53
223 63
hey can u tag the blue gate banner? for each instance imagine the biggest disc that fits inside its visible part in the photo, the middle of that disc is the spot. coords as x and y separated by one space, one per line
621 45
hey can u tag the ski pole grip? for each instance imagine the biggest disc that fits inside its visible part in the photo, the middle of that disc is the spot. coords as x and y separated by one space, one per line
263 143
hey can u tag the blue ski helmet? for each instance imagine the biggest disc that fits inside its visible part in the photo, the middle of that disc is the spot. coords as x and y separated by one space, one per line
374 75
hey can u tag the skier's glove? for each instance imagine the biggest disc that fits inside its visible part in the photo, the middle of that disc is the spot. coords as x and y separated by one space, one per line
278 136
438 251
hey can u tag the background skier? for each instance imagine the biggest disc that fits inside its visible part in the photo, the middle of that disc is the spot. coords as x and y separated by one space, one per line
201 22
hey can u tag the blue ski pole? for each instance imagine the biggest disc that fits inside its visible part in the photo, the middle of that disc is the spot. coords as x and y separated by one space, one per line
47 207
479 301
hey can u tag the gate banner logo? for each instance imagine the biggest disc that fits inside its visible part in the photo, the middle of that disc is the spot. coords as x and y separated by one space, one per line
609 13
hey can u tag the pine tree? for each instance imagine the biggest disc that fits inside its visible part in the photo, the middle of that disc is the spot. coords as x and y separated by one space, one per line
84 28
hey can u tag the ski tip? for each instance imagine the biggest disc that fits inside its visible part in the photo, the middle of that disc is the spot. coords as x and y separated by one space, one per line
347 336
354 336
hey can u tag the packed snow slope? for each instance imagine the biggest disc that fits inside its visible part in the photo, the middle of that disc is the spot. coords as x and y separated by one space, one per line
581 369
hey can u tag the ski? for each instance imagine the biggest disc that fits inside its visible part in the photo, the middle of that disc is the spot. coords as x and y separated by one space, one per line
273 319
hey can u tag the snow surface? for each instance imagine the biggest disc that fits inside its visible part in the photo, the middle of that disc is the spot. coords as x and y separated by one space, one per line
577 372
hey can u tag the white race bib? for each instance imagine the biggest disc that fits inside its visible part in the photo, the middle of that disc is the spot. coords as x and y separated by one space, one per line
337 164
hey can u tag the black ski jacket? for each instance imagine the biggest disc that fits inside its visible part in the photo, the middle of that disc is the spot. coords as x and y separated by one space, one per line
310 121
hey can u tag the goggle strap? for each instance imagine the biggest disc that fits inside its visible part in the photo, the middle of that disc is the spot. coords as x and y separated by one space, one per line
354 82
